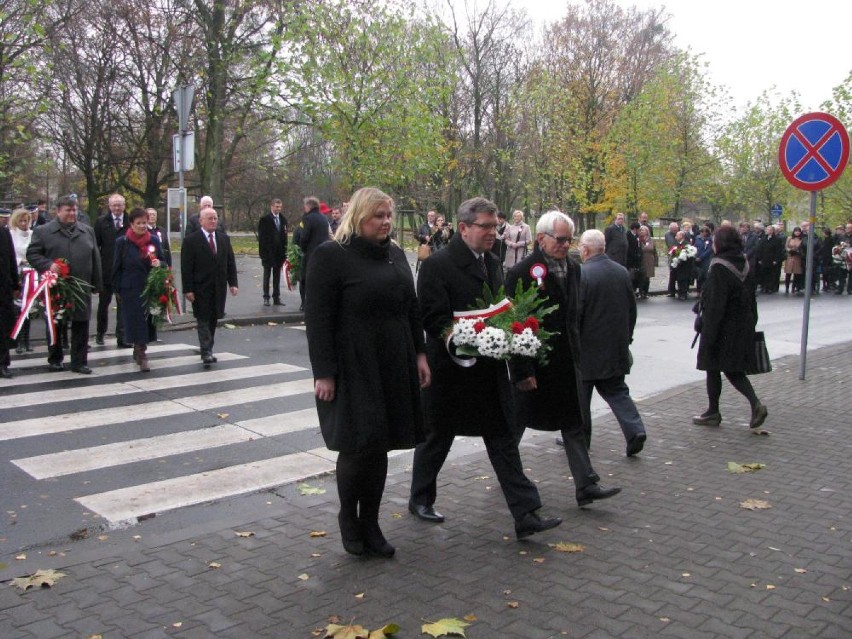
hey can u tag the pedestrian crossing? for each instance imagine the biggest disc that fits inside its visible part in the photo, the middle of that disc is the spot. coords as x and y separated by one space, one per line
72 422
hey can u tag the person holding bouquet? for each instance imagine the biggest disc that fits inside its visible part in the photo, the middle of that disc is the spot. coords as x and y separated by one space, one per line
468 400
365 341
550 397
136 253
682 260
68 249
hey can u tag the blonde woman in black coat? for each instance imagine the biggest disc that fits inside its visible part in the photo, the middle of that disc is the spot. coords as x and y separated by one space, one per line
727 334
365 340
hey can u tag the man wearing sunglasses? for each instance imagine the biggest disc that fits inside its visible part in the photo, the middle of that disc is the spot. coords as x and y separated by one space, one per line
549 397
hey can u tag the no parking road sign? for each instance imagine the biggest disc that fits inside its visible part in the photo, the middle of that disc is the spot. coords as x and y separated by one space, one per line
814 151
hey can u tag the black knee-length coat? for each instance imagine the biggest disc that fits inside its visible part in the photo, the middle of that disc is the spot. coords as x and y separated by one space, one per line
729 316
556 402
460 401
129 274
364 329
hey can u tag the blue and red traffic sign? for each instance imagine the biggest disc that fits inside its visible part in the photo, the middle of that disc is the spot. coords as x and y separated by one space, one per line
814 151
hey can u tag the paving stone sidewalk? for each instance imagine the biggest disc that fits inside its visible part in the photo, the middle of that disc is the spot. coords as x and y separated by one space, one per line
675 555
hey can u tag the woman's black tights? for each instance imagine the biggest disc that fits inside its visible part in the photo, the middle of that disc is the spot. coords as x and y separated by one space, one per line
360 486
738 380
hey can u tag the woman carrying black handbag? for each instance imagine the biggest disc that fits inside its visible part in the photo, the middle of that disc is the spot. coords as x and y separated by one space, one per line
728 317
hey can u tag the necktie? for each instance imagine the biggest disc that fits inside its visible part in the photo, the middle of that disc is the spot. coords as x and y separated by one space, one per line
117 221
277 222
212 243
483 268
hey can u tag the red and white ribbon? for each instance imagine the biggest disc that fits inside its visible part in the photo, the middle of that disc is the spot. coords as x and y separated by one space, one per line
484 313
48 280
286 268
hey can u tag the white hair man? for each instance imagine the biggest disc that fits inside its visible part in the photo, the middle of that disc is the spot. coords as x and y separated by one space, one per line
549 397
607 318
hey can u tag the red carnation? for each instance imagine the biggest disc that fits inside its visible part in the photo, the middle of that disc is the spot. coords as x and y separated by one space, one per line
64 268
517 328
479 327
532 324
164 299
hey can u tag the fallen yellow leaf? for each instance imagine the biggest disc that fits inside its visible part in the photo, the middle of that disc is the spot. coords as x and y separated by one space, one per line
21 557
317 533
103 537
801 570
512 604
304 577
538 560
177 624
565 546
214 564
246 533
223 415
755 504
770 587
360 595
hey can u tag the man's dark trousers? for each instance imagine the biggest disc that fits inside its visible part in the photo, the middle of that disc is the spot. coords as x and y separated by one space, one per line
521 495
275 272
616 393
79 344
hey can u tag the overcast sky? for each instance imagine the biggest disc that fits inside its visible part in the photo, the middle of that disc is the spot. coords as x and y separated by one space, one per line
752 45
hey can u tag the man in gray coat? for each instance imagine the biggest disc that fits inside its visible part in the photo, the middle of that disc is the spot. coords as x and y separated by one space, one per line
65 238
607 319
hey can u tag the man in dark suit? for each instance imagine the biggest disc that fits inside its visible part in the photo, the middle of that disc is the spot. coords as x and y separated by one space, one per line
616 240
65 238
644 221
549 396
313 231
40 216
108 227
193 224
474 400
9 286
272 246
208 269
634 255
607 319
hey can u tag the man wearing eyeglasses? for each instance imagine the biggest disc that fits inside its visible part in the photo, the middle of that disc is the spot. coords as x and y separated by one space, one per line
549 397
607 319
468 400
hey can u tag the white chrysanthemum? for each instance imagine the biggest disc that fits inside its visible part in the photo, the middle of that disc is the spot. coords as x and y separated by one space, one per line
154 310
492 342
691 251
525 343
463 333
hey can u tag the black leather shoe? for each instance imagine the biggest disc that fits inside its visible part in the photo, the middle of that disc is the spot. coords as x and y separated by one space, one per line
707 419
758 416
208 359
5 373
99 339
278 303
265 302
82 369
426 513
560 442
593 492
124 345
54 367
636 444
531 523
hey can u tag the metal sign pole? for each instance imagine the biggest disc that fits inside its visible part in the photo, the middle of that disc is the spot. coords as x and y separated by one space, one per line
809 274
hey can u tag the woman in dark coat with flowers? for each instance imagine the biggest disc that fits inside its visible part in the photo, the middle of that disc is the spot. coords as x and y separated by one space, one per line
136 253
365 340
729 315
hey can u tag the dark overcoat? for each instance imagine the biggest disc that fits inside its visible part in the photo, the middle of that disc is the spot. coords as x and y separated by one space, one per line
556 402
271 241
729 317
313 231
607 318
364 329
616 243
461 401
206 275
106 236
77 245
129 273
9 283
163 236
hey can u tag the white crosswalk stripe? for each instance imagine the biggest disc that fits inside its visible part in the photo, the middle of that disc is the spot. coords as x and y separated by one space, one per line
152 401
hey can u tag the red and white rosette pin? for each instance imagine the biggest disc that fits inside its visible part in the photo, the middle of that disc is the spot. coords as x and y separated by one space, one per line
538 272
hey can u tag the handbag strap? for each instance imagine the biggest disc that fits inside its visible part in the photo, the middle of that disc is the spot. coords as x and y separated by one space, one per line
740 275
